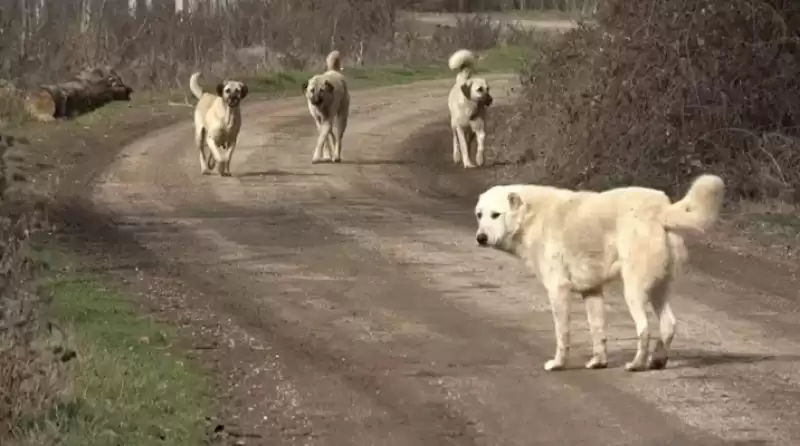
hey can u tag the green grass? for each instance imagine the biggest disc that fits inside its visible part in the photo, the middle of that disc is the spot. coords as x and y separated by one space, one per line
128 387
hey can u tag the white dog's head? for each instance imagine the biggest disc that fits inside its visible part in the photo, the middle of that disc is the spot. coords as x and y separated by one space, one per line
500 211
318 91
476 89
232 92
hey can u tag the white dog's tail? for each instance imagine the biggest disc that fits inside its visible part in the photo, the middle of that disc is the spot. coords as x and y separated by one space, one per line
462 61
700 208
194 86
334 61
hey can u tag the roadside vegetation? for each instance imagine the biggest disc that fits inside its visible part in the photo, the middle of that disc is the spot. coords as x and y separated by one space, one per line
80 362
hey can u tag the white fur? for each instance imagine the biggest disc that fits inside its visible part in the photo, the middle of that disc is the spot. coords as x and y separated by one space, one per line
578 241
329 104
468 101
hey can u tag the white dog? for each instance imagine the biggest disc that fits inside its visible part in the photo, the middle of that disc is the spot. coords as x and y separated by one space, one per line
217 121
578 241
468 100
329 104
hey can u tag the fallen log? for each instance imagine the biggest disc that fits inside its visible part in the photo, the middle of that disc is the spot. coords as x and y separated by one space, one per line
91 88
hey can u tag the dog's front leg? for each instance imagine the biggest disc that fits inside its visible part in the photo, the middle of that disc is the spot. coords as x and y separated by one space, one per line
559 296
199 137
596 317
229 157
324 132
456 152
480 135
216 153
462 143
337 144
328 148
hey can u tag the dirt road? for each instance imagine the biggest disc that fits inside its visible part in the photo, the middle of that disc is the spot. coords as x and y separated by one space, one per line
357 310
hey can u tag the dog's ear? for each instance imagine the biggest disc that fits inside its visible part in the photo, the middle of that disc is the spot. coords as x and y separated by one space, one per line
328 87
514 201
244 91
466 89
220 87
305 86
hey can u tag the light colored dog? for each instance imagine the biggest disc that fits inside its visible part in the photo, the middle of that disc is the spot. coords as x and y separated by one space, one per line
217 121
578 241
329 104
468 100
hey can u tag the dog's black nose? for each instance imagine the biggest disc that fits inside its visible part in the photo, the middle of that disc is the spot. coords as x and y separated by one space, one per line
489 100
482 239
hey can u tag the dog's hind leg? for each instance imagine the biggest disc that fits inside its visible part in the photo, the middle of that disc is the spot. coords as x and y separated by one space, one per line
596 317
338 131
324 133
559 304
636 296
199 141
462 143
659 298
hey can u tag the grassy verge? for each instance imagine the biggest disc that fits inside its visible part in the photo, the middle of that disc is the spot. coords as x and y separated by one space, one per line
128 386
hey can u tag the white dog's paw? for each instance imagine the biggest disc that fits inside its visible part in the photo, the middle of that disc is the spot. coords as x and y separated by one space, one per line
657 363
337 159
326 159
635 366
469 166
479 159
553 365
205 170
315 160
597 363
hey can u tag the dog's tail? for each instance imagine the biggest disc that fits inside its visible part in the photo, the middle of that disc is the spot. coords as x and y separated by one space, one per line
194 86
334 61
699 209
462 61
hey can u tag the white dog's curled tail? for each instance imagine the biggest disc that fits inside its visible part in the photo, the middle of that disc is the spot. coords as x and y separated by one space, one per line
334 61
700 207
462 61
194 86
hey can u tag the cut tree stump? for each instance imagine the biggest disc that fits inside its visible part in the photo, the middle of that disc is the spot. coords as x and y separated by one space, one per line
91 88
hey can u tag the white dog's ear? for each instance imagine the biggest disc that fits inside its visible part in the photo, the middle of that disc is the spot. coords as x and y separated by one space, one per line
514 201
328 87
244 91
466 89
305 86
220 87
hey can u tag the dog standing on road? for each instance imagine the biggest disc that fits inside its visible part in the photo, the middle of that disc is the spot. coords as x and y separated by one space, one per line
468 101
578 241
217 121
329 104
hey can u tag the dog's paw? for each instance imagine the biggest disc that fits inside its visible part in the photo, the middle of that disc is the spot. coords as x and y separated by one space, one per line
337 160
205 171
315 161
657 363
469 166
479 159
553 365
635 366
597 363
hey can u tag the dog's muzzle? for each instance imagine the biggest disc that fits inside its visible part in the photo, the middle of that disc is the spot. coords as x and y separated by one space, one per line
482 239
233 101
316 99
486 101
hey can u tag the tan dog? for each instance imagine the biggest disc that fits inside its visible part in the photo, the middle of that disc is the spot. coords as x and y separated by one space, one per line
217 121
468 100
329 104
578 241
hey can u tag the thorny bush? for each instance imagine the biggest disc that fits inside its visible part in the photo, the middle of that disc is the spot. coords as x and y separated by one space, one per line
662 91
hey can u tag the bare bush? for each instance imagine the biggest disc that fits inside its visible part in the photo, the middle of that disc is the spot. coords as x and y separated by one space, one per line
662 91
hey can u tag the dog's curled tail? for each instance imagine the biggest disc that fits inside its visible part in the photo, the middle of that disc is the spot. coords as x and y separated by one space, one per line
699 209
462 61
334 61
194 86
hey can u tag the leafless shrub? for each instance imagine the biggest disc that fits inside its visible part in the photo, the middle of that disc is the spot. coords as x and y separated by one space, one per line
664 90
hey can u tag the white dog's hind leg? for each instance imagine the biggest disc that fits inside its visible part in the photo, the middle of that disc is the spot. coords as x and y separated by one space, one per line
339 132
559 304
199 138
462 143
480 135
456 152
328 149
637 298
659 298
596 317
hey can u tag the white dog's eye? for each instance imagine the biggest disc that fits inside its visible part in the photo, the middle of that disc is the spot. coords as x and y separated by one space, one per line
479 215
495 215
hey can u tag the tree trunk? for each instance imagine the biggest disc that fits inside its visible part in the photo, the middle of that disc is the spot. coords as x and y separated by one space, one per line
92 88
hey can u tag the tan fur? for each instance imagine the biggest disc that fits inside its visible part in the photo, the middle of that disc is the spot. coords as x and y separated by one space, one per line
578 241
468 101
328 101
217 122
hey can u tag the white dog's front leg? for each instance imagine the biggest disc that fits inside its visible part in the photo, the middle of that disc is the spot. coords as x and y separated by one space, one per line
328 149
216 153
596 317
324 132
462 142
198 140
226 171
337 145
480 135
559 304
